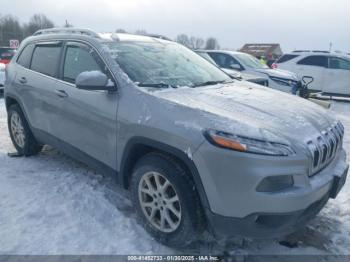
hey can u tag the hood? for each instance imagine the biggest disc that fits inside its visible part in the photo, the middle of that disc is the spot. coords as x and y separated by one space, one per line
279 73
246 109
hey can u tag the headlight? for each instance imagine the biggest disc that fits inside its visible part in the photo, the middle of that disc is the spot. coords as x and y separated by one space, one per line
248 145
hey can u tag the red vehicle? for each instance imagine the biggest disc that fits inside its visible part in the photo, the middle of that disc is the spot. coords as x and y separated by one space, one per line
6 54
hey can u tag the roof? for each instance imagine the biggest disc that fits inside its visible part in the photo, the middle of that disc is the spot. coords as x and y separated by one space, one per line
317 52
260 49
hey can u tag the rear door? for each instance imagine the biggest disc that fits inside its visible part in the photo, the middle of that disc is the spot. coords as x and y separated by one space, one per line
315 66
87 119
337 76
37 68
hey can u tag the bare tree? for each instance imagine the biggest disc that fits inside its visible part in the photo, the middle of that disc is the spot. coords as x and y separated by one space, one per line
67 24
37 22
141 32
212 43
196 42
10 28
120 30
184 40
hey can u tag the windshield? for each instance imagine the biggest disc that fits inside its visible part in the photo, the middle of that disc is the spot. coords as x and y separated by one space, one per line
250 61
163 64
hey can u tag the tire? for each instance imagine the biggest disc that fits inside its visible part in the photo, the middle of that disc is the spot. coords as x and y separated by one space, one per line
186 225
18 127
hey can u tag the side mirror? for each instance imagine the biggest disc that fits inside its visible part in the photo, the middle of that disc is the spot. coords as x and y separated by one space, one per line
235 67
93 80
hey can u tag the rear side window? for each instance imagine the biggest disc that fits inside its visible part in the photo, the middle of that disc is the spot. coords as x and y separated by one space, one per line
78 59
338 63
25 56
314 60
286 58
45 59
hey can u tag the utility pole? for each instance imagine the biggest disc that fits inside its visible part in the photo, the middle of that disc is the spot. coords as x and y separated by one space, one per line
330 46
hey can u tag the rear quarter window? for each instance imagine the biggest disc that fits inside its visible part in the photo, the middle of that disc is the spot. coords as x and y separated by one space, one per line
286 58
45 59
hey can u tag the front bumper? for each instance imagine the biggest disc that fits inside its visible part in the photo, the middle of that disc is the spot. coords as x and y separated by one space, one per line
230 180
264 225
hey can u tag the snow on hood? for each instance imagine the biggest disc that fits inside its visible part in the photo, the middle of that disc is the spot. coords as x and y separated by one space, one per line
249 110
279 73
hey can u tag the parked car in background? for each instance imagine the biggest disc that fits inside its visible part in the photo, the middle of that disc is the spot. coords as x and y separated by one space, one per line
197 149
278 79
331 71
2 77
6 54
260 80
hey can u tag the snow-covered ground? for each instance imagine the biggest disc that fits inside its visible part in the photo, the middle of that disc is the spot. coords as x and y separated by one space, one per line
51 204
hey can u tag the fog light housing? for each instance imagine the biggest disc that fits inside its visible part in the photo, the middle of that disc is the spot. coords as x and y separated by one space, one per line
275 183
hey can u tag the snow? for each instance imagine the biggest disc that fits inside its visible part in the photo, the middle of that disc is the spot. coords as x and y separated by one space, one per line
51 204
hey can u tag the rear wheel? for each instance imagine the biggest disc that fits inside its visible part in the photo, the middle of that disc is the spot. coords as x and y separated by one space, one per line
21 136
165 200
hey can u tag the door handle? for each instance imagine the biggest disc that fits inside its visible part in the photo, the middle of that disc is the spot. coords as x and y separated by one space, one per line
23 80
61 93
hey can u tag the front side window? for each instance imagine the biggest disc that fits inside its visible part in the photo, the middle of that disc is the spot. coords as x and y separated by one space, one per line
314 60
250 61
225 61
45 59
286 58
25 56
159 64
338 63
78 59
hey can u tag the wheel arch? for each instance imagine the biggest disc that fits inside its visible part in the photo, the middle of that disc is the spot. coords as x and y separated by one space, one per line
137 147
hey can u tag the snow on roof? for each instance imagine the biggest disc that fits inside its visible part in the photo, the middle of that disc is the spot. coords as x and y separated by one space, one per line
127 37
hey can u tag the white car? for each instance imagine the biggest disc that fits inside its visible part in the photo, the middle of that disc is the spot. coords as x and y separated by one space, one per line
331 71
278 79
260 80
2 76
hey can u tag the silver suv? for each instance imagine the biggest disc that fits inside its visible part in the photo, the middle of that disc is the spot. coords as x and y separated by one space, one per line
196 149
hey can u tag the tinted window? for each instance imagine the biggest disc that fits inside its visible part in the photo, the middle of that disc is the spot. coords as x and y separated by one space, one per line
25 56
315 60
286 58
45 59
78 59
338 63
224 60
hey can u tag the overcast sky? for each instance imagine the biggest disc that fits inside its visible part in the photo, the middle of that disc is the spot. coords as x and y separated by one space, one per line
295 24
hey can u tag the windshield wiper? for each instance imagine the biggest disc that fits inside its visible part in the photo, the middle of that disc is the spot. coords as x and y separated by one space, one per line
209 83
159 85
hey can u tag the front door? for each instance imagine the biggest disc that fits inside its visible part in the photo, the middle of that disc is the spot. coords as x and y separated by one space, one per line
88 119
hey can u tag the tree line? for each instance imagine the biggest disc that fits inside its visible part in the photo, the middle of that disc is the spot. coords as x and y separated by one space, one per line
12 28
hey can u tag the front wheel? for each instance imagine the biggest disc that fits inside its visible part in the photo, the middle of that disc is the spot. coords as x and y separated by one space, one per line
165 200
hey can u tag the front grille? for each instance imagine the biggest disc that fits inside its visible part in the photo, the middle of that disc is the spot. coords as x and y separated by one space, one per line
324 147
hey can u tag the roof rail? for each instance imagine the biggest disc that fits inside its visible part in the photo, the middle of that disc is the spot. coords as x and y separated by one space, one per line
313 51
64 30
